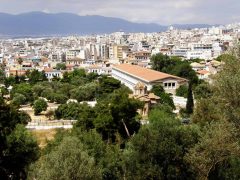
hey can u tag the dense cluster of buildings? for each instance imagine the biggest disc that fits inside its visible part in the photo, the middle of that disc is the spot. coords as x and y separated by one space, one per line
99 53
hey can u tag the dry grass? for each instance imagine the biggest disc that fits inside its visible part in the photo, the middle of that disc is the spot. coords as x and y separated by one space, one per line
43 136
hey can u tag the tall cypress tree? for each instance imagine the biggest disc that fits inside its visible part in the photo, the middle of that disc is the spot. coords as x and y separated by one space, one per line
190 103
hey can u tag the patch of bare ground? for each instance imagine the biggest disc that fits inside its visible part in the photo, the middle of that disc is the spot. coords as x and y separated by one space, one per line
43 136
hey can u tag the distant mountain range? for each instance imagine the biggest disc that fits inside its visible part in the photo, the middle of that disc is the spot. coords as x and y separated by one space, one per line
44 24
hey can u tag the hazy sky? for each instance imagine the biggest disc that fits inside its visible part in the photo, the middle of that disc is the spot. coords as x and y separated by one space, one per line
157 11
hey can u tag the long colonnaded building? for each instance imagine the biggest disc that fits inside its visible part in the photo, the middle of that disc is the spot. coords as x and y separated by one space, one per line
130 75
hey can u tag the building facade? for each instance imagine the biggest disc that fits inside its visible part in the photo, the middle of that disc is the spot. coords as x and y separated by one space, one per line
131 75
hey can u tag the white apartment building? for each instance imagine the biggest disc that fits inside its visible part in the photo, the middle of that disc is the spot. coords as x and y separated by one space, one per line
102 51
91 51
76 53
118 52
1 58
199 54
201 46
181 52
215 31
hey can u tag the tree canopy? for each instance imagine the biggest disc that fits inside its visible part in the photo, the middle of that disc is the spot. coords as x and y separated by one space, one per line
109 142
18 148
68 161
164 97
61 66
174 66
39 106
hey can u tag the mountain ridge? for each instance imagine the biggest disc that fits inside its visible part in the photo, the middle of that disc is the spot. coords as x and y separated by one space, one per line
40 23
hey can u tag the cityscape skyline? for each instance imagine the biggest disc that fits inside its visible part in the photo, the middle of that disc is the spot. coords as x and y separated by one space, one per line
152 11
128 89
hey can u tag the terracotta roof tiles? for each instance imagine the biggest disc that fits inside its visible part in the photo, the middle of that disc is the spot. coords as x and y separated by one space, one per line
148 75
203 72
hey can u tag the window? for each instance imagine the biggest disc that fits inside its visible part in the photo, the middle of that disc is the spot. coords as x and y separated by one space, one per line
170 85
173 85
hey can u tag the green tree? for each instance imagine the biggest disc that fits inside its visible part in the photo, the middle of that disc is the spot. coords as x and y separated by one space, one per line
18 100
22 150
107 156
182 91
68 111
174 66
38 89
39 106
18 148
117 115
76 77
2 76
36 76
48 93
164 97
66 77
92 76
160 62
225 57
86 117
226 90
218 143
61 66
3 91
9 81
107 85
75 111
217 153
17 79
78 72
86 92
190 103
206 111
158 150
203 91
65 89
24 89
60 98
229 169
68 161
184 70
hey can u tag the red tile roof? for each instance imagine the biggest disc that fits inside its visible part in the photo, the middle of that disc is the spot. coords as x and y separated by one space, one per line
48 69
203 72
148 75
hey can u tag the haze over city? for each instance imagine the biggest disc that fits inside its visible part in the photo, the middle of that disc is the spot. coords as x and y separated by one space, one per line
151 11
